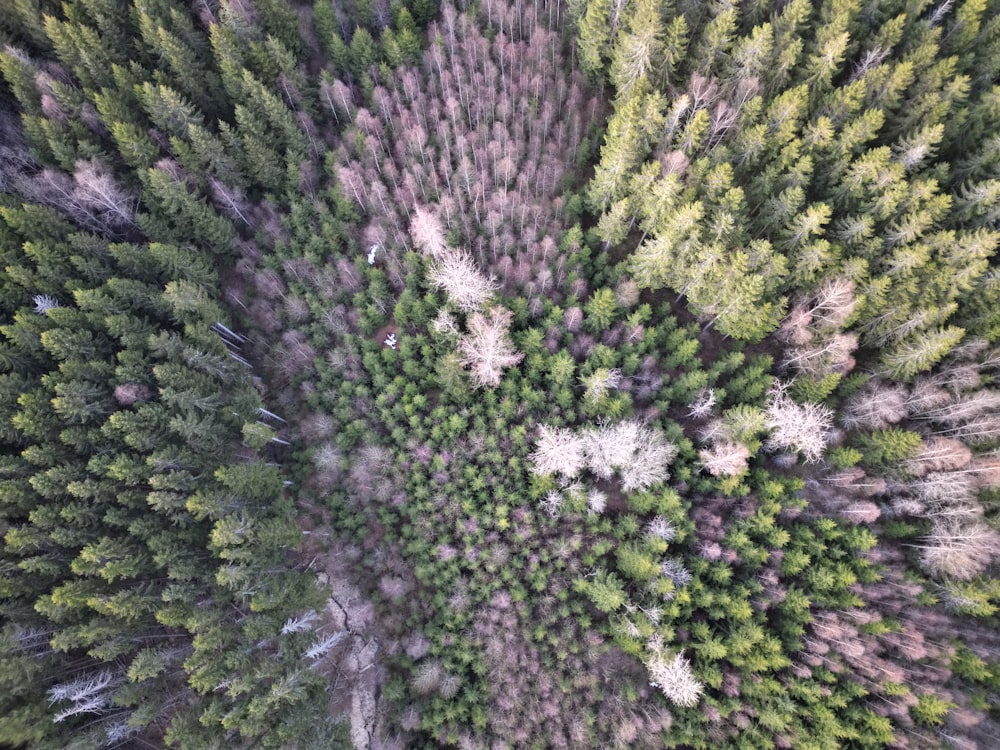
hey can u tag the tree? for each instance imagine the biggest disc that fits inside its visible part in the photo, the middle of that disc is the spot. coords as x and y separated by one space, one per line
957 549
672 674
593 37
487 348
921 352
558 450
600 310
630 129
638 51
639 453
456 273
606 591
930 710
725 458
888 448
799 427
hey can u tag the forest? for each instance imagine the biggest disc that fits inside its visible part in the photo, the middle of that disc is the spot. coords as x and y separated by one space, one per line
500 374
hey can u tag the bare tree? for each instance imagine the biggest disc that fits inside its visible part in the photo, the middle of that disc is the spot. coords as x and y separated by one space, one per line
876 407
672 674
833 304
830 354
597 501
661 528
939 454
725 458
444 323
456 272
963 409
487 348
799 427
427 232
599 382
232 201
97 191
704 402
959 550
558 450
649 462
639 453
89 694
862 511
794 329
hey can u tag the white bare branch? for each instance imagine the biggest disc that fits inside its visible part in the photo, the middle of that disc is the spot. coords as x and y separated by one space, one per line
672 675
457 273
487 348
558 450
799 427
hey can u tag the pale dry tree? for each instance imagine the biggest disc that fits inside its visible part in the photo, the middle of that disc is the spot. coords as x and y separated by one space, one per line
674 569
300 624
661 528
89 694
324 645
672 675
558 450
798 427
831 353
938 454
44 303
833 303
427 233
725 459
704 402
640 454
487 349
457 274
875 407
449 687
959 550
444 323
97 191
794 329
427 677
597 501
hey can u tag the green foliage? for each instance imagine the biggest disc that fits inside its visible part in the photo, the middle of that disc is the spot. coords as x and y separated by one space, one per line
605 591
886 449
930 710
182 173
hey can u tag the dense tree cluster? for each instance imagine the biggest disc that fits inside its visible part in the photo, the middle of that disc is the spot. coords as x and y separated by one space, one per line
636 367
